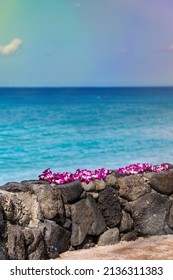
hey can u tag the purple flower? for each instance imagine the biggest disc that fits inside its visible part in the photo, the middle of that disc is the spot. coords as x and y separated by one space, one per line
88 176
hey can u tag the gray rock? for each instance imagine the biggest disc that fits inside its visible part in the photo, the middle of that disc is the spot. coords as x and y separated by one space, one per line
67 208
86 219
14 209
3 252
125 204
129 236
99 184
7 205
57 239
16 187
2 224
88 187
1 215
111 236
132 187
109 205
87 243
162 182
170 218
71 191
50 201
31 209
16 243
21 208
95 195
67 224
126 222
111 181
35 182
34 243
149 214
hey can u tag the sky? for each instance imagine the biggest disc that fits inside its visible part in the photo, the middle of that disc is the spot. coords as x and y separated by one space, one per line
86 43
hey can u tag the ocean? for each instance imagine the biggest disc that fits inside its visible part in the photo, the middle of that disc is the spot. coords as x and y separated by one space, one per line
69 128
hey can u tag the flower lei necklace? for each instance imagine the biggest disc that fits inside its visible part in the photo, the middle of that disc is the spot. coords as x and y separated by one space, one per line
88 176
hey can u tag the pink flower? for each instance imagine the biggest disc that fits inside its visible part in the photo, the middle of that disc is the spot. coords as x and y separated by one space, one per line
88 176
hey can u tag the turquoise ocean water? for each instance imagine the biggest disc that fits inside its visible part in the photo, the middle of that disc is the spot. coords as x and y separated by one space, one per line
70 128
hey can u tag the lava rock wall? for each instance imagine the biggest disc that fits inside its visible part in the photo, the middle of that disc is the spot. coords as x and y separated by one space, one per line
39 220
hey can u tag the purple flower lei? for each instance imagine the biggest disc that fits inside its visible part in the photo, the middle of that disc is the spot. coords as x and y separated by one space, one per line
88 176
83 175
142 167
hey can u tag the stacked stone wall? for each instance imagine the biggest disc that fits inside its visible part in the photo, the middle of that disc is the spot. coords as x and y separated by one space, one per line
39 220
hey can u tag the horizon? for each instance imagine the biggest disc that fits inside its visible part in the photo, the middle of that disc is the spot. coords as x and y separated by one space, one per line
84 87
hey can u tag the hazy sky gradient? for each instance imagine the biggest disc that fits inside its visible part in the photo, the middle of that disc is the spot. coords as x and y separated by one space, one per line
86 42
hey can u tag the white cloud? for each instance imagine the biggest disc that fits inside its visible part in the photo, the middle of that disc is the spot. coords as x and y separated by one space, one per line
11 47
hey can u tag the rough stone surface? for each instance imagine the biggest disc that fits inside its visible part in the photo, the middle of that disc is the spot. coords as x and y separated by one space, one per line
111 181
14 209
50 201
35 245
57 239
162 182
132 187
70 191
35 182
170 219
111 236
16 187
109 205
88 187
16 243
86 219
99 185
126 222
39 220
1 216
149 214
3 252
129 236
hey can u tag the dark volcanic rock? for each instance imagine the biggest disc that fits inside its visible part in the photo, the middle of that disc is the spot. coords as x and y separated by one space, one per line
109 237
35 244
125 204
39 220
132 187
16 187
14 208
3 252
111 181
50 201
34 182
126 222
87 243
86 219
149 214
162 182
56 238
129 236
170 219
109 205
16 243
1 216
7 205
70 191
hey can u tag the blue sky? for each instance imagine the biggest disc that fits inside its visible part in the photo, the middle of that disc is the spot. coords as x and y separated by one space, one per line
86 43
